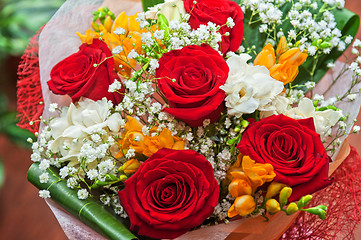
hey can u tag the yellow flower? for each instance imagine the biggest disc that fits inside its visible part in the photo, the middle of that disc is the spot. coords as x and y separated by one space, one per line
257 173
130 166
284 65
272 206
274 188
266 57
246 174
240 184
164 140
242 206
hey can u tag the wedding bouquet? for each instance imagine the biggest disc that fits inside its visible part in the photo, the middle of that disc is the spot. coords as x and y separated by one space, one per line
192 113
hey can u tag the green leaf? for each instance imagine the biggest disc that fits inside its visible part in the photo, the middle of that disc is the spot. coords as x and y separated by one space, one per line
88 211
150 3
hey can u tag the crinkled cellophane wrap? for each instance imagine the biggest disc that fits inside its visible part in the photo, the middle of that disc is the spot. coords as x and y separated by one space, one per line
59 40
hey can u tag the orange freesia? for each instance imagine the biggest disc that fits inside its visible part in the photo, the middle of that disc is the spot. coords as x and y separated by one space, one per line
247 176
164 140
242 206
257 173
132 137
131 39
283 65
130 166
240 184
266 57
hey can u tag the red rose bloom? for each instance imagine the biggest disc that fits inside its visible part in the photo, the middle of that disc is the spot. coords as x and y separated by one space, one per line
217 11
77 77
293 148
190 79
171 192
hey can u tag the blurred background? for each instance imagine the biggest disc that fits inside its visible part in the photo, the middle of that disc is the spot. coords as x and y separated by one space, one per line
23 215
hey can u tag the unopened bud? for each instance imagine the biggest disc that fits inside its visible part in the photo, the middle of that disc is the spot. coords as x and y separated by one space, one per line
285 195
304 201
292 208
274 188
272 206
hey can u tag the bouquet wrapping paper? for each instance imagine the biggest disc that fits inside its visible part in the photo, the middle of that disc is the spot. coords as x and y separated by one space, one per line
74 16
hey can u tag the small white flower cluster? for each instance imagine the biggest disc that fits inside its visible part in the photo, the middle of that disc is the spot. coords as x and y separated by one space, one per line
79 142
182 35
137 99
221 210
312 30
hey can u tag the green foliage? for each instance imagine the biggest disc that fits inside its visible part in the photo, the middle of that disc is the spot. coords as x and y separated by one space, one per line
8 126
89 211
20 19
150 3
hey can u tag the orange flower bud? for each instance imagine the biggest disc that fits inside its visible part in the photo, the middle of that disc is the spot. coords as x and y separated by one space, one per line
293 57
274 188
108 23
281 47
132 137
272 206
266 57
130 166
242 206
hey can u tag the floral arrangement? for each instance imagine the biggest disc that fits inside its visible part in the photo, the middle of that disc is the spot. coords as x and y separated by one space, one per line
199 112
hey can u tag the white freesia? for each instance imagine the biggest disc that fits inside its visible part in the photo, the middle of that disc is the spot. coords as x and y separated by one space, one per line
248 88
279 105
77 123
171 9
323 120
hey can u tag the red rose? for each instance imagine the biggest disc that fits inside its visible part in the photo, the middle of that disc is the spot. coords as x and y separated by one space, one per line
190 79
77 77
217 11
171 192
293 148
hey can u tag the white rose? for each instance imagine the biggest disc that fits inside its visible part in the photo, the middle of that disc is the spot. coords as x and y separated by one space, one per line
171 9
248 88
